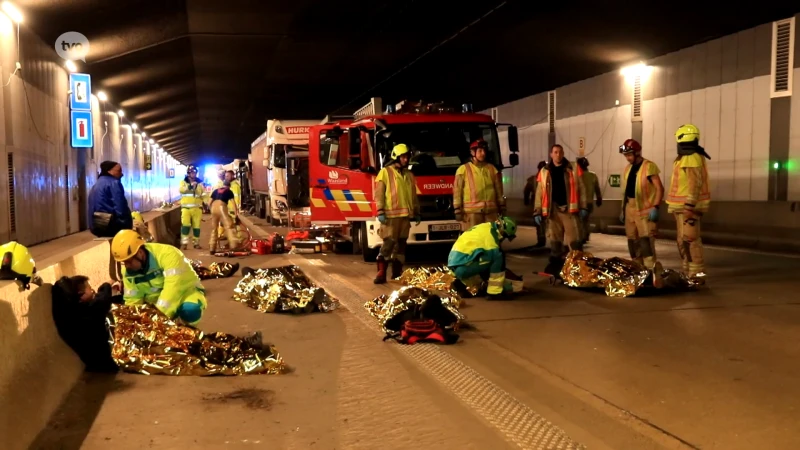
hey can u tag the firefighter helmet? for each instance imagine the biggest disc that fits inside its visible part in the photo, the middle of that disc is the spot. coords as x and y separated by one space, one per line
17 264
687 133
507 227
191 168
125 245
399 150
479 143
137 217
630 146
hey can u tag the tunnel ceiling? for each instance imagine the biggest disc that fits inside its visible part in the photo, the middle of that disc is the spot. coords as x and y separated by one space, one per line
202 77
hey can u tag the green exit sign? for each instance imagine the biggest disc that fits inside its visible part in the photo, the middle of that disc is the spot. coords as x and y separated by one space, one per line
614 180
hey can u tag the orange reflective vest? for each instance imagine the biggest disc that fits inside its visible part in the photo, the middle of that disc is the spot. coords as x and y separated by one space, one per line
544 190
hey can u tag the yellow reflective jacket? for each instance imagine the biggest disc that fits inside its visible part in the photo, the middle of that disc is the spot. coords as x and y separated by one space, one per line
479 248
191 198
396 193
689 187
168 279
478 189
236 204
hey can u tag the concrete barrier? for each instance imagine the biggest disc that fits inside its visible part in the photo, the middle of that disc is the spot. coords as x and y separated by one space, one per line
766 226
37 370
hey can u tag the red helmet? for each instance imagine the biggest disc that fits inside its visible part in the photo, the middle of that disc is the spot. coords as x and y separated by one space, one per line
479 143
630 146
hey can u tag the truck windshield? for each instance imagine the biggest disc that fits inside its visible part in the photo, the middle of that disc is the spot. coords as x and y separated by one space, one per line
438 148
280 151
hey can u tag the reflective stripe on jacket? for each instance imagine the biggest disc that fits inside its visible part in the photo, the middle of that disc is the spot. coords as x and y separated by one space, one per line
480 246
478 189
191 198
575 191
169 278
645 191
689 184
236 204
397 197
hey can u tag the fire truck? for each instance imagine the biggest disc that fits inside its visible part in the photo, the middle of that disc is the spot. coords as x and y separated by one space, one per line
279 160
346 154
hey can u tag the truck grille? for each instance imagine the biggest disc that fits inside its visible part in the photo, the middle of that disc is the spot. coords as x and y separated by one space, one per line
436 207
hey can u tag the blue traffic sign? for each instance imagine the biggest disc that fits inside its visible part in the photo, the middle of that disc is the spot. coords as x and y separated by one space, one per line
80 86
82 133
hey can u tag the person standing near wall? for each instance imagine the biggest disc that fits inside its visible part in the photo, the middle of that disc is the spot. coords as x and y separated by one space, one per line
108 208
592 190
643 194
192 193
689 198
528 196
478 190
396 201
560 199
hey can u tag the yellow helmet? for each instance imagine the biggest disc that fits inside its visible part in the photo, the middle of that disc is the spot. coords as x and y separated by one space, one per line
125 245
399 149
137 217
17 264
687 133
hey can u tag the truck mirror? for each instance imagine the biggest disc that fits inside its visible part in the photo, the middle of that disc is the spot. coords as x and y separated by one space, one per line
513 140
513 159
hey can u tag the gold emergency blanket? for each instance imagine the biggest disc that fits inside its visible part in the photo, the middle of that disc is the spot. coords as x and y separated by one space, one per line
282 289
619 277
214 270
147 342
411 301
442 279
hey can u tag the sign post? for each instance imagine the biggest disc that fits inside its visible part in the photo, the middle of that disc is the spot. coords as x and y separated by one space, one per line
615 180
81 129
581 146
148 161
80 103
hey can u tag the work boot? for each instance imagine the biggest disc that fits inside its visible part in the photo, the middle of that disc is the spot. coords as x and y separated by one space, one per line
658 280
197 246
381 277
397 269
184 246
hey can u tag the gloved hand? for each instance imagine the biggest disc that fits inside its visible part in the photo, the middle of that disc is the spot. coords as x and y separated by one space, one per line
584 213
459 215
382 218
417 219
599 202
653 215
538 220
622 217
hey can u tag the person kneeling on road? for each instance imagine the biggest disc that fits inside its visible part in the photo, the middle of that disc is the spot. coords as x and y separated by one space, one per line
477 252
159 274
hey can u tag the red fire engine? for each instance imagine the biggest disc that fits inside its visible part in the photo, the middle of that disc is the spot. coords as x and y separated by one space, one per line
342 169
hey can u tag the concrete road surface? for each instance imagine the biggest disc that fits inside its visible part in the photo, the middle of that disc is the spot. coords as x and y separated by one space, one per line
554 368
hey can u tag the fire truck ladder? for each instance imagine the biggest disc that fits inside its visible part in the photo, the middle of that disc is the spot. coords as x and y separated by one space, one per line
374 107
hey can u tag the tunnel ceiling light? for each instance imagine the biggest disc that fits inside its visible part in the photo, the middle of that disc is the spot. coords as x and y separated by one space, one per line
640 70
102 96
12 12
152 142
144 134
121 113
134 126
71 66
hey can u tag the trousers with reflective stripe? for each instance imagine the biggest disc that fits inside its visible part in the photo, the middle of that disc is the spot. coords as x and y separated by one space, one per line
168 281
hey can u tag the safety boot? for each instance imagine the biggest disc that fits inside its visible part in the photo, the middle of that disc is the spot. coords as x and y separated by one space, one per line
197 246
658 280
381 277
397 269
184 246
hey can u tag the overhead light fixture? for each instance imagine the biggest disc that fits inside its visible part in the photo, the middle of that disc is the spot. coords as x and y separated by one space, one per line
12 12
641 70
102 96
152 142
134 126
144 134
121 113
71 66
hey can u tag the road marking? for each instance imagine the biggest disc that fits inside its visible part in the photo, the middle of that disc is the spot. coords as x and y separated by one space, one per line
514 420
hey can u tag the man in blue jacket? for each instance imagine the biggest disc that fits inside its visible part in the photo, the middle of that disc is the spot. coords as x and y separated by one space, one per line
108 209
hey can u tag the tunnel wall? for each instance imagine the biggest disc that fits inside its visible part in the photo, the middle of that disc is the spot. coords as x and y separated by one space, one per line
722 86
44 182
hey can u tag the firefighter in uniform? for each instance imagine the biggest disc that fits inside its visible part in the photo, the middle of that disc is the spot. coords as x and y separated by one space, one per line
192 194
160 275
478 190
560 199
689 198
396 200
528 195
592 190
221 218
477 252
643 194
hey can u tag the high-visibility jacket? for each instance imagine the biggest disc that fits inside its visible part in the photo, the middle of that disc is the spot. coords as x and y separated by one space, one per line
689 185
645 191
191 198
590 185
396 193
479 247
236 204
576 196
478 189
166 281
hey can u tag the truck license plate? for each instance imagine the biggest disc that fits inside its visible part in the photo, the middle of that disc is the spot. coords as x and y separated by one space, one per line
445 227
